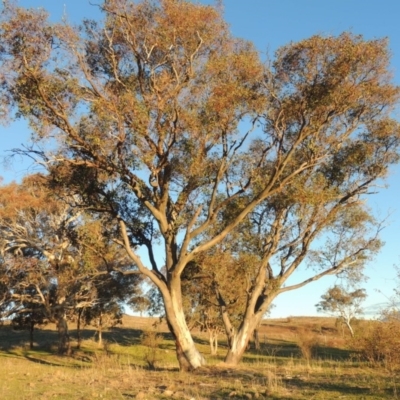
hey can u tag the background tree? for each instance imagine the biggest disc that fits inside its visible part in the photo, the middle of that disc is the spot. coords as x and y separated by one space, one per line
140 304
28 318
112 295
110 291
342 303
206 282
36 244
51 267
147 107
323 204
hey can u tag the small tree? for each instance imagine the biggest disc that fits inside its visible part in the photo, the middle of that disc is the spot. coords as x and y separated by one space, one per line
344 304
28 318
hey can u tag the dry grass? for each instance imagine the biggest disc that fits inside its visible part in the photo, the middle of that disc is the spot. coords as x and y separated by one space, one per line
119 370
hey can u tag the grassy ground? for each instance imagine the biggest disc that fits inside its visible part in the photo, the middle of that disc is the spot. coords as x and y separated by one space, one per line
300 358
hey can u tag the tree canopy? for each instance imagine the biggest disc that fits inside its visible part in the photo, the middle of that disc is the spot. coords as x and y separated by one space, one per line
342 303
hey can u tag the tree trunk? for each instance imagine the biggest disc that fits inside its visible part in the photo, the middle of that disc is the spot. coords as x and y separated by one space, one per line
213 339
258 304
78 329
257 339
240 338
100 336
350 328
100 331
238 344
188 356
63 336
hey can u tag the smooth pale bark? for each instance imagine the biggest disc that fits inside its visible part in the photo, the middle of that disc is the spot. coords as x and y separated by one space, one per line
100 331
239 338
213 339
239 341
347 322
188 356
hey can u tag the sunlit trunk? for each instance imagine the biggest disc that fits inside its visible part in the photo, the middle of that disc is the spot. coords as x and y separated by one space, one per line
350 328
238 343
213 339
188 356
239 339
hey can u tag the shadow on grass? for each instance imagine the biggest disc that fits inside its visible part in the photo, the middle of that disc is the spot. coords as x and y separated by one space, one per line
46 340
343 388
44 362
10 338
13 340
294 385
286 349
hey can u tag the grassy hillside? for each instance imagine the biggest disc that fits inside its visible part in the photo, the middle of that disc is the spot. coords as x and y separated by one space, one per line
300 358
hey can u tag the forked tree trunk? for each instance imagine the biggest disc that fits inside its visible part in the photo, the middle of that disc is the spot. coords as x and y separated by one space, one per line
63 336
238 343
239 339
213 339
347 322
188 356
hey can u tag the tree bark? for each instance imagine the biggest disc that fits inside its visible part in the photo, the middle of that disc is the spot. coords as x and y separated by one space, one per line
63 336
238 343
257 339
188 356
347 322
100 331
213 339
239 338
78 329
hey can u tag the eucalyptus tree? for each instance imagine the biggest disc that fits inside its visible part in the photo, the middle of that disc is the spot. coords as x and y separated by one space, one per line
342 303
54 260
168 124
37 250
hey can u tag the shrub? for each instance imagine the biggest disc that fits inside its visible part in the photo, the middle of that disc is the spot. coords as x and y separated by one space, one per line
151 340
381 343
307 343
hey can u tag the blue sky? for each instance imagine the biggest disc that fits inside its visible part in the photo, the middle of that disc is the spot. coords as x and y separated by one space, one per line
271 24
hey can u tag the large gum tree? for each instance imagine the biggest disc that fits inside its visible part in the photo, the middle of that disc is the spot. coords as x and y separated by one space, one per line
164 121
